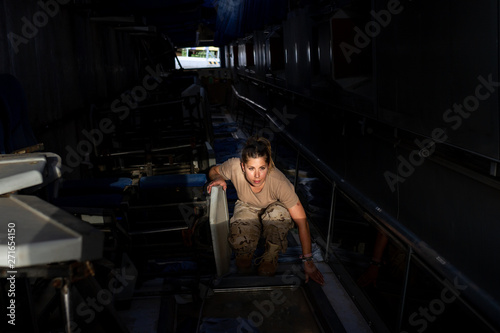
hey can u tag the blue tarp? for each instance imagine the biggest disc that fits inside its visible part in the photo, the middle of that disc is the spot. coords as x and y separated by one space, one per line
97 185
169 181
90 201
226 148
98 192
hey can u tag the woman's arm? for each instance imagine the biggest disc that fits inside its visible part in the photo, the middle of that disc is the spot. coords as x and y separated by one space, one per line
299 216
215 178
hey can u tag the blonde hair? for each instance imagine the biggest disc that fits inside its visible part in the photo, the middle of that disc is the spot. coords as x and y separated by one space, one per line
255 147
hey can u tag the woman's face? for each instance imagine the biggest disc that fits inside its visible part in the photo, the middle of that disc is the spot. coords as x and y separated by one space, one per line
255 171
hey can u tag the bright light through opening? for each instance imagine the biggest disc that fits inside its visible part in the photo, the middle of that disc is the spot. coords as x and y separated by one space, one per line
198 57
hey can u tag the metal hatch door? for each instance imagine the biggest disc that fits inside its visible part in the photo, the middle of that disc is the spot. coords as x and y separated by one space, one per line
219 228
264 309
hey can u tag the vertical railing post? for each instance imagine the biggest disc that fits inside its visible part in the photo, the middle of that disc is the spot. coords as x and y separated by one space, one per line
404 288
330 222
296 180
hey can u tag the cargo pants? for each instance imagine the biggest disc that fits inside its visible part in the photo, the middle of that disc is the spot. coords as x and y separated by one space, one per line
248 223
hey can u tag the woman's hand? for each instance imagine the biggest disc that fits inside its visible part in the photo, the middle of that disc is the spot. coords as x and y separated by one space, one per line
217 182
312 272
216 178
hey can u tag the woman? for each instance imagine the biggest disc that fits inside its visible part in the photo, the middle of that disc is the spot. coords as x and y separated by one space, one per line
266 205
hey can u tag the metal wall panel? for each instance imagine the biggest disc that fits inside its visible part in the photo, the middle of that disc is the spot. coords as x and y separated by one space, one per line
228 56
297 36
350 57
259 46
431 60
242 56
235 55
324 48
275 52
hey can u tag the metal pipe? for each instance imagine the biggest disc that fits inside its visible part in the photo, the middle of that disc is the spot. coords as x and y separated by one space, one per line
66 301
155 231
155 150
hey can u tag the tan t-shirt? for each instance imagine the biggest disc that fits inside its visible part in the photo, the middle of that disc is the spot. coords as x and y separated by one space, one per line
276 188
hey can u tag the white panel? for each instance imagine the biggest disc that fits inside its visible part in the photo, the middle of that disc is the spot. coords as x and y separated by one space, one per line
18 171
42 234
219 227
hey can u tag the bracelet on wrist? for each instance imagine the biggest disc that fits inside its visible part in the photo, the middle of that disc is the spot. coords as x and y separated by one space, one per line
375 263
310 259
